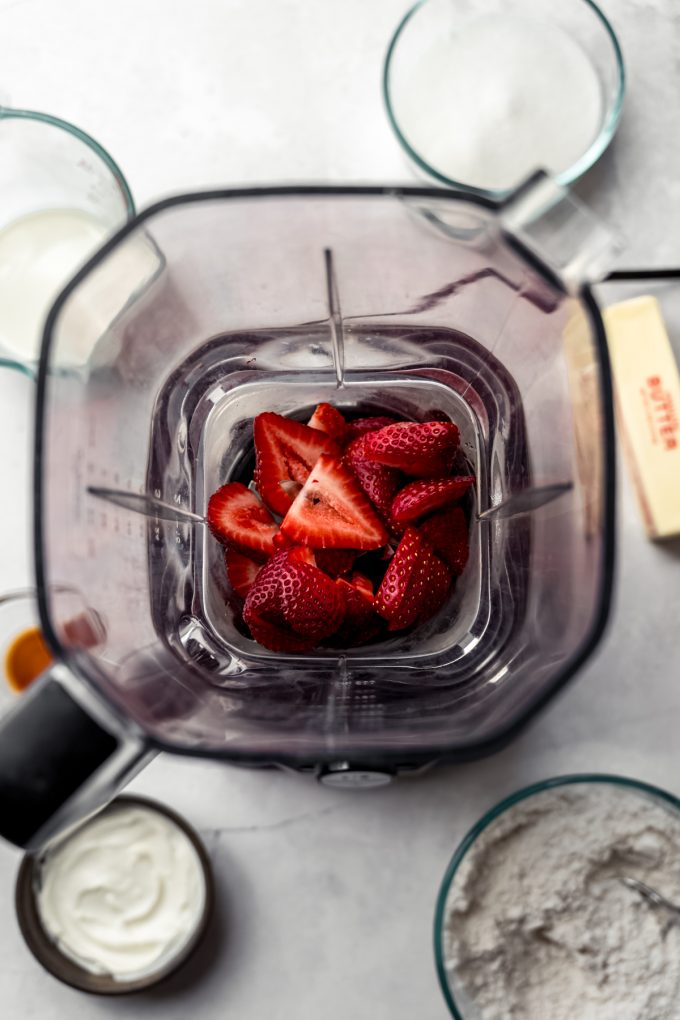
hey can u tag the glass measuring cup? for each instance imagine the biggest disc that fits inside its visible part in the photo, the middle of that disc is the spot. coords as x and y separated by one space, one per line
61 194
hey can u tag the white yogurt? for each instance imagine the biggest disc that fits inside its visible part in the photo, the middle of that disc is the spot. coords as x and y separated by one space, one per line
124 894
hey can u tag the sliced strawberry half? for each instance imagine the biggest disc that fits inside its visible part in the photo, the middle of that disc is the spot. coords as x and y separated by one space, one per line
380 483
415 584
420 498
447 533
236 516
391 599
328 419
285 450
290 594
335 562
313 605
332 511
414 447
241 571
361 623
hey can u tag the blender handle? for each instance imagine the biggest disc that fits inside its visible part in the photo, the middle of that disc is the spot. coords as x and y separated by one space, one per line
58 761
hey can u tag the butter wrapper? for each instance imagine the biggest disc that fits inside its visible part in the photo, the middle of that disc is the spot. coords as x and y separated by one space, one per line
647 390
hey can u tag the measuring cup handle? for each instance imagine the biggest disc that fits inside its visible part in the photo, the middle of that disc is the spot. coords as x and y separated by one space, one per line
59 760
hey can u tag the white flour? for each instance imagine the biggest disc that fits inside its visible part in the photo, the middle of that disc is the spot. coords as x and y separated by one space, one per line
539 926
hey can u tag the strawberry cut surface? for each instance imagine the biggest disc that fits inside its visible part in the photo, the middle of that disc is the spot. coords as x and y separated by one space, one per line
285 450
419 498
415 447
335 562
328 419
241 571
236 516
332 511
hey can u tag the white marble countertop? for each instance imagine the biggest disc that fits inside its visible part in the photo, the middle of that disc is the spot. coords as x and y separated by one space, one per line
326 897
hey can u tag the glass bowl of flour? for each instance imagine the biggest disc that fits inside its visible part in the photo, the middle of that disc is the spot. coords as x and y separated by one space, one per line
482 93
535 919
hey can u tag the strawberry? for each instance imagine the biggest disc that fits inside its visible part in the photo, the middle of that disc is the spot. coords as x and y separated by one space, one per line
332 511
389 600
436 583
360 426
359 599
447 533
241 571
328 419
290 594
415 583
380 483
361 623
335 561
277 639
417 448
419 498
285 450
236 515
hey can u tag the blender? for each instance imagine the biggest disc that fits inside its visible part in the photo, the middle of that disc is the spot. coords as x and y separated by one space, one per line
415 302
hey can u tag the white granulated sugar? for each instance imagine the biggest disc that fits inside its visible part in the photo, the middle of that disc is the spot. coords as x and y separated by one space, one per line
539 926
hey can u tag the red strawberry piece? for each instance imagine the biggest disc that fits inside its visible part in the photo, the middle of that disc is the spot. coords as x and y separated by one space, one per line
335 561
447 533
391 599
420 498
301 554
359 600
277 639
380 483
361 623
436 581
414 447
415 584
290 594
241 571
328 419
360 426
235 515
363 585
285 450
313 606
332 511
426 590
281 541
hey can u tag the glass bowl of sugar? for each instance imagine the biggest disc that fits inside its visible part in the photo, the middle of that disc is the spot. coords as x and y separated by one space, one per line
482 93
549 907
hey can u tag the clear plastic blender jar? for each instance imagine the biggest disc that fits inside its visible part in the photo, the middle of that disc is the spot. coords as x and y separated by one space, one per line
417 302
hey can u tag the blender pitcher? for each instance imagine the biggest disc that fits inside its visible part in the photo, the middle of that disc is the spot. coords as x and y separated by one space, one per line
414 302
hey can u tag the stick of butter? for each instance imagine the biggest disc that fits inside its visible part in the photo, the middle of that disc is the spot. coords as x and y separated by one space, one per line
647 389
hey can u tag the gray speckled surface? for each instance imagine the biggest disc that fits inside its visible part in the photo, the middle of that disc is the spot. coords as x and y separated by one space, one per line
326 898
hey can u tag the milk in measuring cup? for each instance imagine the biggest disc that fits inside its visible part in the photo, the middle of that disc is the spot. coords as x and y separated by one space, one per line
38 254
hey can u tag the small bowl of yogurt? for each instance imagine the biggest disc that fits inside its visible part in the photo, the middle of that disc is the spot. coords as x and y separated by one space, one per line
481 95
119 903
541 913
